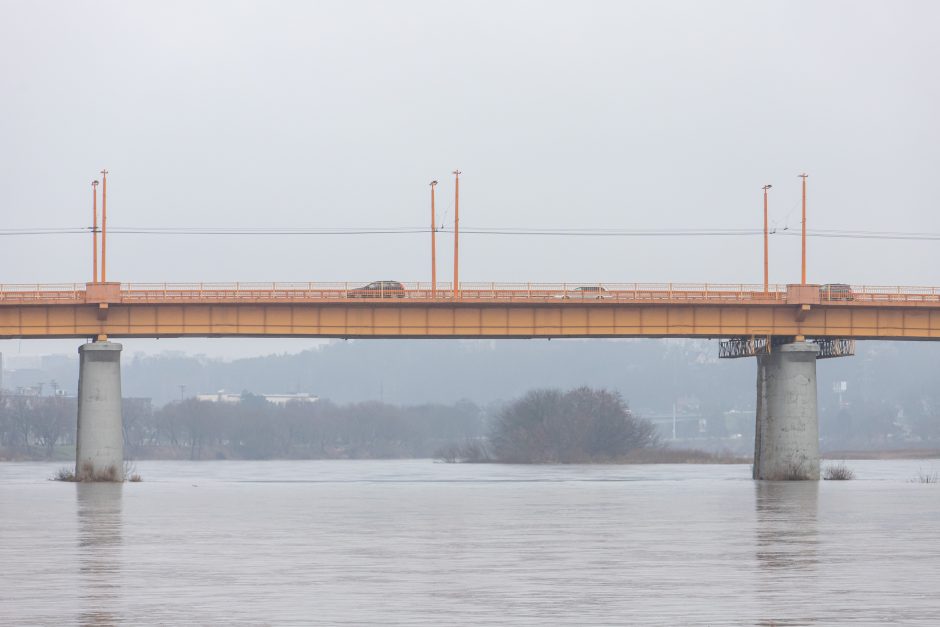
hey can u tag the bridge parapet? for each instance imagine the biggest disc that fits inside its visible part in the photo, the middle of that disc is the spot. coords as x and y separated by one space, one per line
96 293
803 294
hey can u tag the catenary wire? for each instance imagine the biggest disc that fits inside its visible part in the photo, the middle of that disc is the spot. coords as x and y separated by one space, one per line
502 231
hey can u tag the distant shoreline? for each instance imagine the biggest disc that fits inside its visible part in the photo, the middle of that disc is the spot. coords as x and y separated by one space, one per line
908 453
637 456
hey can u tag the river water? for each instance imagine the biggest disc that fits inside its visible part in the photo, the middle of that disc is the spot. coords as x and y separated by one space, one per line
422 543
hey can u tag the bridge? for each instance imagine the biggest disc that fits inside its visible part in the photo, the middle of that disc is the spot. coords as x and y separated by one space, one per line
787 327
476 310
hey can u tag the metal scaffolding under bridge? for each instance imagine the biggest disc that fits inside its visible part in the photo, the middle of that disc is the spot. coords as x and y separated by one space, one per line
737 347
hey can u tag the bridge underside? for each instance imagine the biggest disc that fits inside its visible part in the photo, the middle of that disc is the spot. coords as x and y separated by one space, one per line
467 320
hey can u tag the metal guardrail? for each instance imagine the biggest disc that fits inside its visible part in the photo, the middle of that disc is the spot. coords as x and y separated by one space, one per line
567 292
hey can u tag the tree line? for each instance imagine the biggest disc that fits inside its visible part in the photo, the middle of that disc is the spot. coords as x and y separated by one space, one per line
544 426
547 425
35 427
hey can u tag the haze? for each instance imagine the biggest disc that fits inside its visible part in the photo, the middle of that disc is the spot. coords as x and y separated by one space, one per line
582 115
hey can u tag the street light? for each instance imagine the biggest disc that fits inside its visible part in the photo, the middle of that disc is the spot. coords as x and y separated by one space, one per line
766 258
457 174
104 226
433 245
94 231
803 275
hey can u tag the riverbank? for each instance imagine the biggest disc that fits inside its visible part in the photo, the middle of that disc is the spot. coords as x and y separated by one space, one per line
909 453
682 456
655 455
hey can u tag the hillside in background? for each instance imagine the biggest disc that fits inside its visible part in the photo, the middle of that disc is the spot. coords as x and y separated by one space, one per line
891 390
649 373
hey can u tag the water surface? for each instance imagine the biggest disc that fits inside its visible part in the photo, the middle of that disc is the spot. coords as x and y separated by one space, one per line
420 543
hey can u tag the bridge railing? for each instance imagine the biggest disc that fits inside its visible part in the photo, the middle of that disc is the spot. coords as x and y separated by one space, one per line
42 292
471 291
875 294
153 292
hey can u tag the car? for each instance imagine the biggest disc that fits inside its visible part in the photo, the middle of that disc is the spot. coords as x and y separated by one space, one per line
378 289
836 291
586 292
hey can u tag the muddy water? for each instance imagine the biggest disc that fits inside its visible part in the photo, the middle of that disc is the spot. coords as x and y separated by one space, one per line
414 542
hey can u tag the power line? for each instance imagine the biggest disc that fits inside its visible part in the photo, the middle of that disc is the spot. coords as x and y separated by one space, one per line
502 231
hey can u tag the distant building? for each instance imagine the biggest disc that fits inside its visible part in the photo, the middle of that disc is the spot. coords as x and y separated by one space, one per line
283 399
219 397
276 399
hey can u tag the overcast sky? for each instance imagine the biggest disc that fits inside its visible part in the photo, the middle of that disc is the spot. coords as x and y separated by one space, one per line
580 114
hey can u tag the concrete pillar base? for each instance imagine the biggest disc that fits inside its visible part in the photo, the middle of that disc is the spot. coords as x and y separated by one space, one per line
99 444
786 440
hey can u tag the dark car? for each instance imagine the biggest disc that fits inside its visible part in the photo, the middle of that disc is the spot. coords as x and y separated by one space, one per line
378 289
836 291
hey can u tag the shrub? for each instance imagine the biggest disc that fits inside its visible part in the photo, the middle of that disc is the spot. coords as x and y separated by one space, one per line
926 477
130 472
64 474
838 472
90 474
796 472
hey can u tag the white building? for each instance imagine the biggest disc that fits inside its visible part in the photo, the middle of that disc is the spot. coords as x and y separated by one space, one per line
277 399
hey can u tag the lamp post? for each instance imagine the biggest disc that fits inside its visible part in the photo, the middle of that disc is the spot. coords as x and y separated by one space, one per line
94 231
104 226
803 274
457 174
766 242
433 245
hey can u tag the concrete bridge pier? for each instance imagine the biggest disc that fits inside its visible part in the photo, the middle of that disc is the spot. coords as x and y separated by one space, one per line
99 450
786 440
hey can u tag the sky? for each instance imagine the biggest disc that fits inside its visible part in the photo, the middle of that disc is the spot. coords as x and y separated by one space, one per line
591 115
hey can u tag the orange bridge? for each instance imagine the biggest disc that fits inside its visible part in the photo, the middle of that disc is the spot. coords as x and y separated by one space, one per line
482 310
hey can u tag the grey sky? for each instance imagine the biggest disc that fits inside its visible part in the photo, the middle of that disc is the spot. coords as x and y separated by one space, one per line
578 114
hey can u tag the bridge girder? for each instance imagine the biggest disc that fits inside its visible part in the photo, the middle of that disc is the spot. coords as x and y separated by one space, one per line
454 319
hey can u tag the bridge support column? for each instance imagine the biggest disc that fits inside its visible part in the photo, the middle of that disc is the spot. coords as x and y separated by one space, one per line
99 450
786 440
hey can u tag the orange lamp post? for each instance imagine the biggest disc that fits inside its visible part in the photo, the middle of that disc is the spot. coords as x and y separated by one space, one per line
104 226
457 174
94 231
766 244
803 274
433 245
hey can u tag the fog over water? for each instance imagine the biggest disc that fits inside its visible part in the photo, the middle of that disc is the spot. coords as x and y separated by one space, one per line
414 542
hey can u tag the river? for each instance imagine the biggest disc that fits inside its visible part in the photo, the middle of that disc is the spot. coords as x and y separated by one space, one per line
423 543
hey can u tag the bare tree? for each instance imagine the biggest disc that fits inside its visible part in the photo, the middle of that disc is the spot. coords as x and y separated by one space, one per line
53 419
582 425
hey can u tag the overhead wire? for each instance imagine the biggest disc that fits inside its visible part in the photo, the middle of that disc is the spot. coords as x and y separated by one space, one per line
502 231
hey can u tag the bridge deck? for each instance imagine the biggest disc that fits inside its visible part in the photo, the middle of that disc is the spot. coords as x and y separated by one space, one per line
479 311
